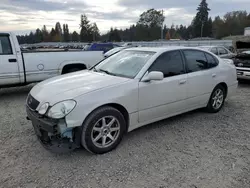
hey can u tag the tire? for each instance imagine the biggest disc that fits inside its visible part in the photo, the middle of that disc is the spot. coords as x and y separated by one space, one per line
212 106
95 128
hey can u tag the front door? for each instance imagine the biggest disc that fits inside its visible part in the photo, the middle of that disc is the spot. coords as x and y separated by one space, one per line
158 99
9 72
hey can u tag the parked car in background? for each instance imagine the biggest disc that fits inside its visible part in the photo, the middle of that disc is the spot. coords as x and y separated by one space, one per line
101 47
242 63
23 67
127 90
220 51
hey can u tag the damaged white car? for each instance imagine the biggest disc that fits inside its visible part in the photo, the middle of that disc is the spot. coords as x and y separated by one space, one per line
135 87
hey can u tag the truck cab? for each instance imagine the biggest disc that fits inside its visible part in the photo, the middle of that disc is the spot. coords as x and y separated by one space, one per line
12 70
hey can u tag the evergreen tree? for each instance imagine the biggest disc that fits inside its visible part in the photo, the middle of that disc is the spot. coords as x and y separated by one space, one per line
201 20
75 36
45 34
66 37
38 36
58 30
86 29
95 32
114 35
53 35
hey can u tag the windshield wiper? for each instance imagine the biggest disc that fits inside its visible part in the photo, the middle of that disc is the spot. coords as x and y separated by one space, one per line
107 72
94 69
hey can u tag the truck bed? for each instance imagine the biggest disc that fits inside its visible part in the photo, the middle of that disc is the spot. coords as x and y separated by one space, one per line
40 65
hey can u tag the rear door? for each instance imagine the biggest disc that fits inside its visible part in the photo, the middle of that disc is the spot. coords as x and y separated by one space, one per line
201 75
9 71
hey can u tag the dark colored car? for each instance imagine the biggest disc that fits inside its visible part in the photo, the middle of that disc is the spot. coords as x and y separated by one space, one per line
102 47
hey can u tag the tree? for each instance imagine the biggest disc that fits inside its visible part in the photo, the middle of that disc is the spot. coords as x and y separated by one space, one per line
53 35
201 20
168 37
114 35
75 36
66 37
58 30
95 32
150 25
151 18
38 36
45 34
86 29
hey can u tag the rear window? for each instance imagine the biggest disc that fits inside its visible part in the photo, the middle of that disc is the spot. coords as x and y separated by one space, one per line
5 46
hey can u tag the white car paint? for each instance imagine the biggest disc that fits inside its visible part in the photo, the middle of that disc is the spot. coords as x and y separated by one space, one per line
145 102
37 66
217 50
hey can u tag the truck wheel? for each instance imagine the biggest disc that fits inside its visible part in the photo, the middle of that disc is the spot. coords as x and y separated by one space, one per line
216 100
103 130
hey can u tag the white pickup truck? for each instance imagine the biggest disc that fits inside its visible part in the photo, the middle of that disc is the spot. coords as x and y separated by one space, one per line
21 68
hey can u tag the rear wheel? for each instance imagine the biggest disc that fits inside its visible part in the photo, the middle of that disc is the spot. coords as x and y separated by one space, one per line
216 100
103 130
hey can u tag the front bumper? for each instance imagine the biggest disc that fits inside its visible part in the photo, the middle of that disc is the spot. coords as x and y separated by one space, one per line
54 134
243 73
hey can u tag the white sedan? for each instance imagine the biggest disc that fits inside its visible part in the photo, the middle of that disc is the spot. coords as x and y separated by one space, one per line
135 87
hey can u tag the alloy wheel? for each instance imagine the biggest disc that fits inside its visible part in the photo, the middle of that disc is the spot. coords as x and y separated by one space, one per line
105 131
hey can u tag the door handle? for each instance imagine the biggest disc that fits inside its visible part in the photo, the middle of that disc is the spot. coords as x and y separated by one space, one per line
12 60
182 82
213 75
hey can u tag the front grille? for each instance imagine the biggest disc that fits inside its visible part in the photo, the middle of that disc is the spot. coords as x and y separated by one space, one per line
32 102
243 70
242 63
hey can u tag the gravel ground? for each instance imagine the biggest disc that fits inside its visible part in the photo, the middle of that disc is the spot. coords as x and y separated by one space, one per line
194 150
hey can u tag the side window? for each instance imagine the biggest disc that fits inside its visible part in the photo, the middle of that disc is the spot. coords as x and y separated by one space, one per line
214 51
196 60
211 61
222 51
170 63
5 46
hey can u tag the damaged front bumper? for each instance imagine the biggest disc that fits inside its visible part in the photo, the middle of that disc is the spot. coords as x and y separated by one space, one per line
54 134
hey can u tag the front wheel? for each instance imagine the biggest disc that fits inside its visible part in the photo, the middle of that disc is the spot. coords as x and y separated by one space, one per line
103 130
216 100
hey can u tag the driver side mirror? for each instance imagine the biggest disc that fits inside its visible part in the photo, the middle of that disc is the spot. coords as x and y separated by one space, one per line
154 75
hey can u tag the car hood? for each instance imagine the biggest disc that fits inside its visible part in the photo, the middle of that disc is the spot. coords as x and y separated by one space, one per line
72 85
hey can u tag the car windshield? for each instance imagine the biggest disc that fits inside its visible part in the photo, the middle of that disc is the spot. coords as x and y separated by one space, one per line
113 51
126 63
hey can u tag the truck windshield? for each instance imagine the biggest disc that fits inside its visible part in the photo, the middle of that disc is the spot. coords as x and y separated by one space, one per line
126 63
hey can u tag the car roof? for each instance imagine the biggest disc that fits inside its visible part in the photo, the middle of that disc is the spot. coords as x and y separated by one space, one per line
162 49
210 46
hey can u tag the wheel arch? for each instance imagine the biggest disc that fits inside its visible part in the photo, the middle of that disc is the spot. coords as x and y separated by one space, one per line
117 106
72 64
224 85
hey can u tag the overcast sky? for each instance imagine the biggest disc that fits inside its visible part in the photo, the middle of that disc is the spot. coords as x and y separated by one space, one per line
22 16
